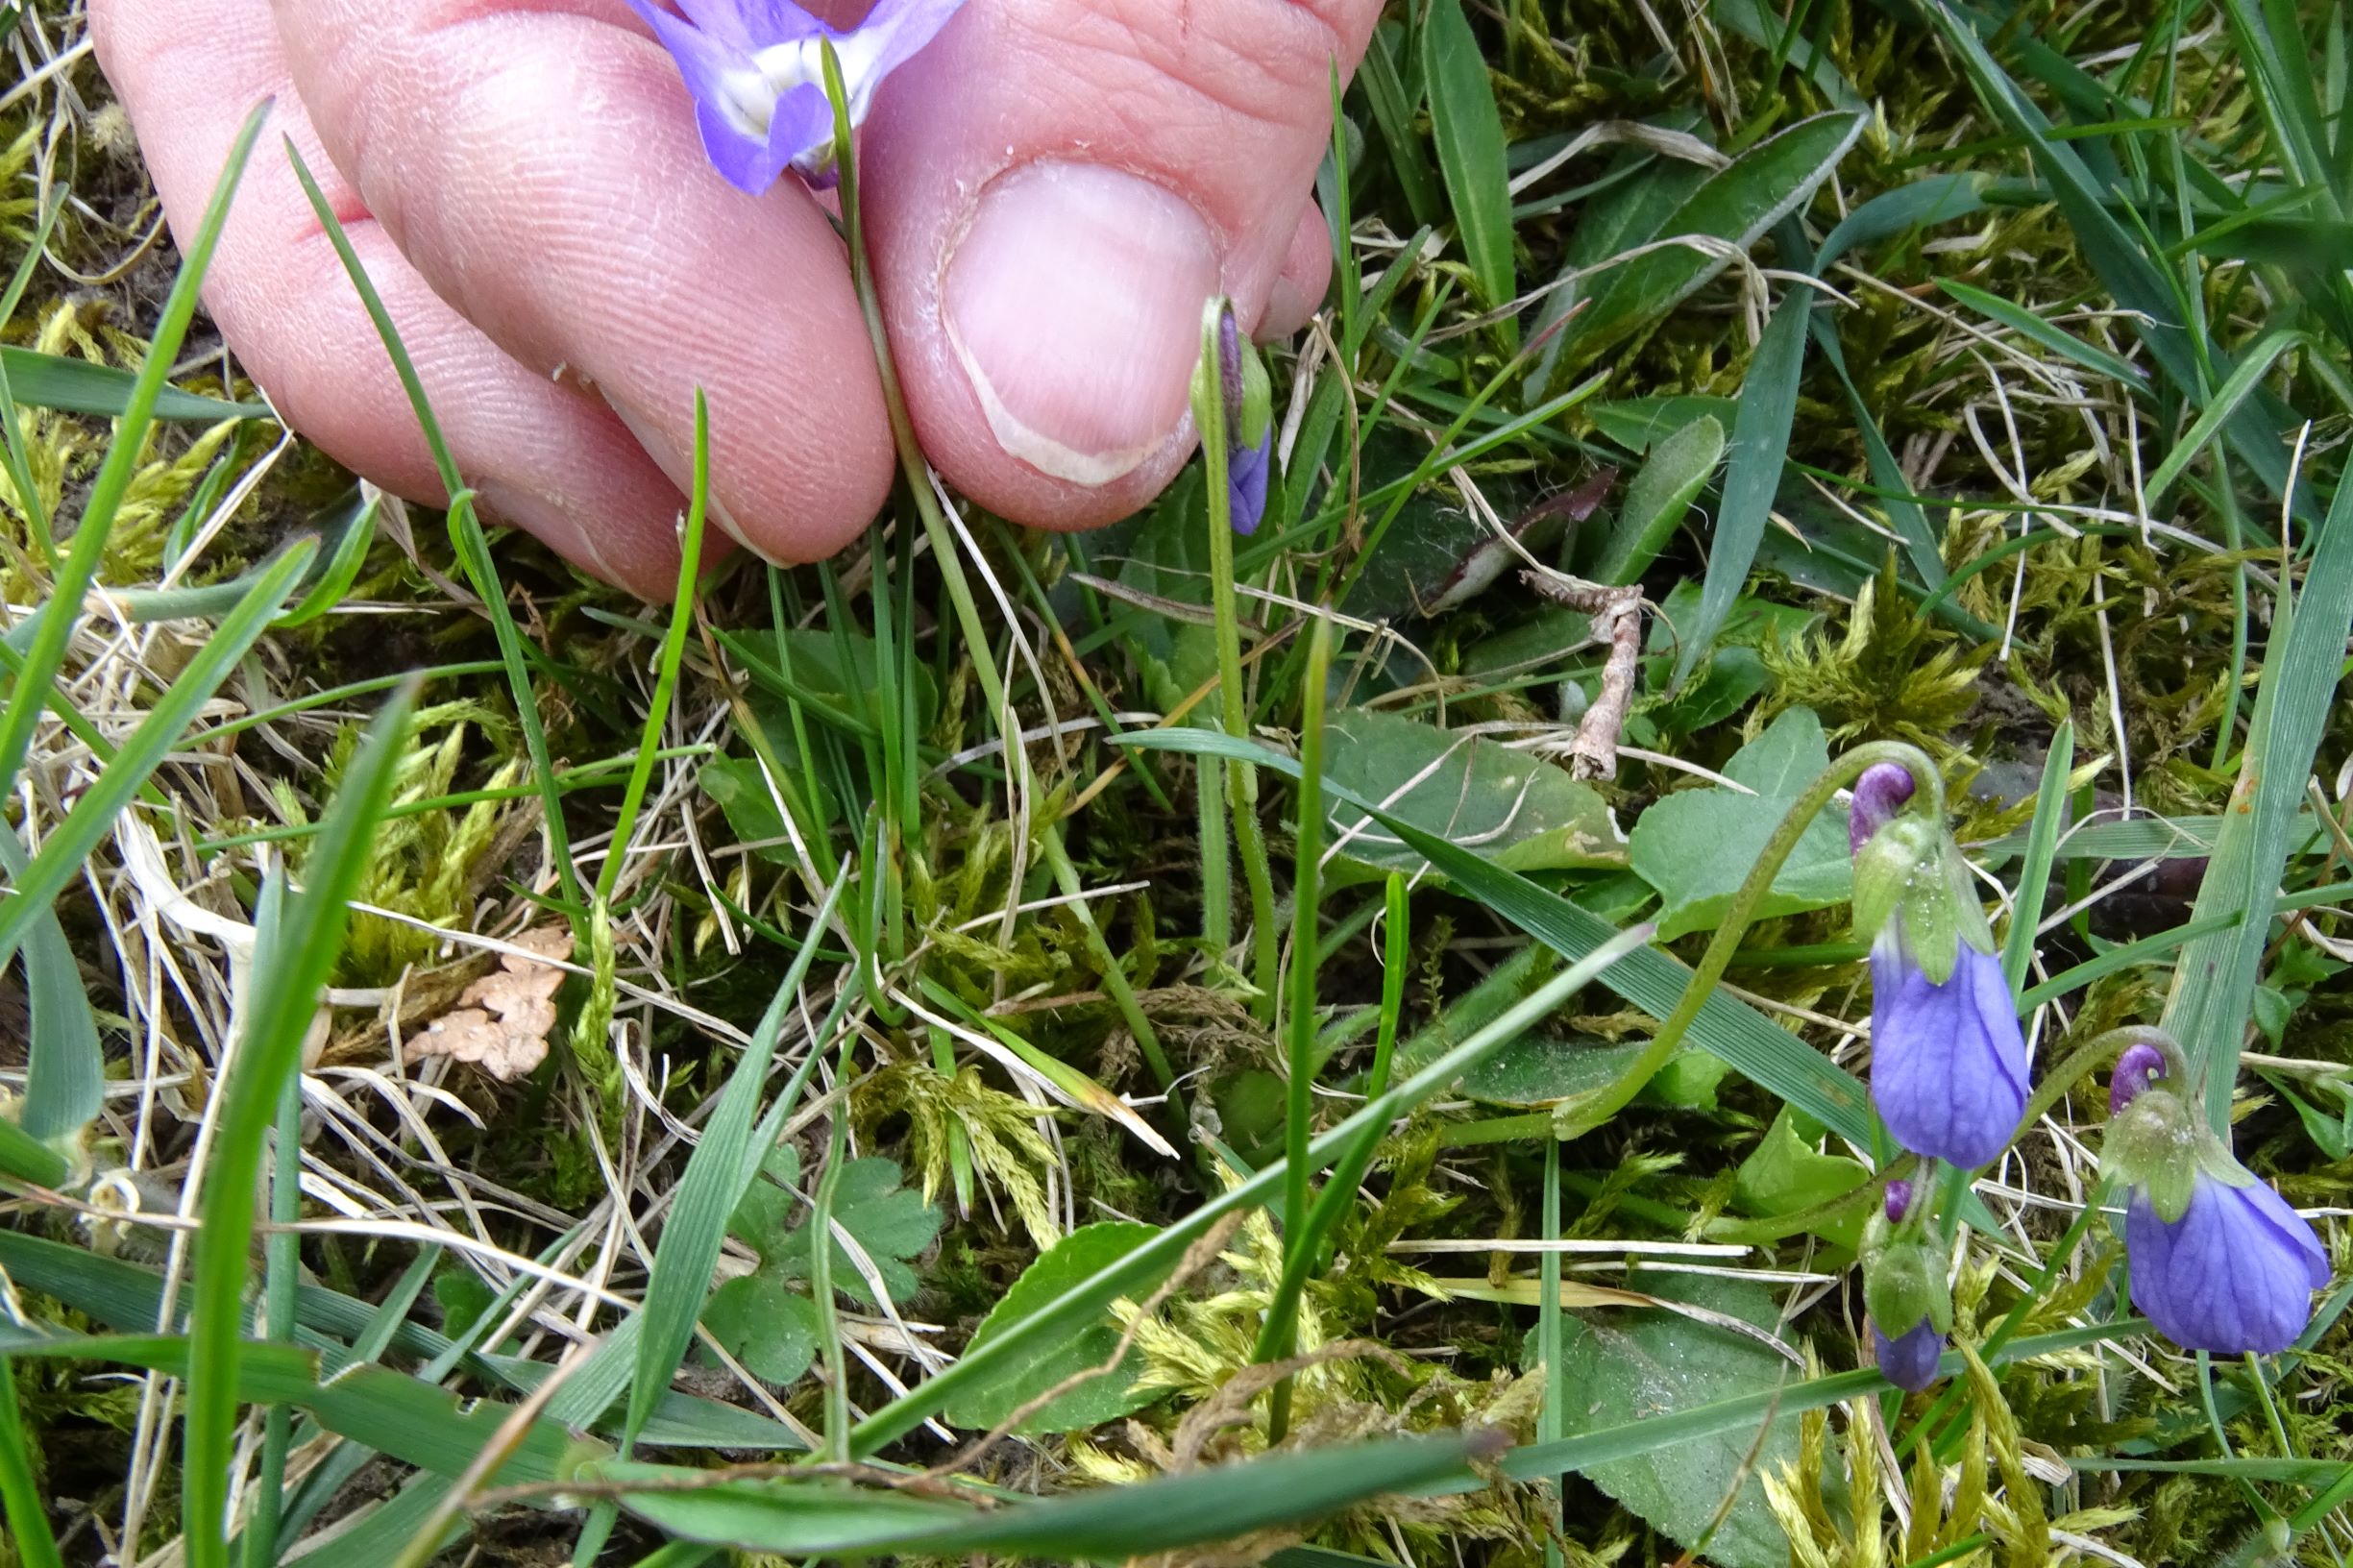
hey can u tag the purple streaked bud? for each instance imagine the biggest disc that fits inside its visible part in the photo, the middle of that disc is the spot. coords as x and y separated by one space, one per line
1898 1200
1879 795
1230 371
2140 1065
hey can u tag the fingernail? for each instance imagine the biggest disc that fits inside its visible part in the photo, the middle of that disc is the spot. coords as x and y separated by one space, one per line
1073 302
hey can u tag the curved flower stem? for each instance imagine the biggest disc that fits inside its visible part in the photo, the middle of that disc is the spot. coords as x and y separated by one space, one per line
1242 780
2089 1055
1860 1198
1583 1113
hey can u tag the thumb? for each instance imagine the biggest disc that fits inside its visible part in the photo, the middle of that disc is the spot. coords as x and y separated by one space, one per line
1052 191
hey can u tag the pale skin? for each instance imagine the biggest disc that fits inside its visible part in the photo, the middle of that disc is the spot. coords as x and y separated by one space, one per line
1052 189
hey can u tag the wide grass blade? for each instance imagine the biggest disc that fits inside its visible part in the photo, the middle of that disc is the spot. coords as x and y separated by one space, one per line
1470 139
289 972
1110 1523
77 386
65 1073
2214 983
1760 439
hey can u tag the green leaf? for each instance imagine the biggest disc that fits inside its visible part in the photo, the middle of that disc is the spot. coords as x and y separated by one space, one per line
1470 138
75 386
1734 207
891 1224
764 1323
1696 846
1521 812
1622 1368
1639 423
1068 1262
834 673
1785 1173
1678 469
1540 1069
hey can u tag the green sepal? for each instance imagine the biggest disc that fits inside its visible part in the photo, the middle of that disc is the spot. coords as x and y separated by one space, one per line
1903 1280
1883 871
1257 399
2155 1144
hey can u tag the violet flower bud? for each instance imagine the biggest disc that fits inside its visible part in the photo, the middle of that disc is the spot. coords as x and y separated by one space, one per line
1879 796
1250 434
1904 1288
1948 1062
756 70
2219 1263
1909 1360
2235 1273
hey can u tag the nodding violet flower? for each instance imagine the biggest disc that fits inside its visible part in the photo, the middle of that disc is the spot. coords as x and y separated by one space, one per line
1948 1061
1250 427
756 68
2219 1263
1903 1288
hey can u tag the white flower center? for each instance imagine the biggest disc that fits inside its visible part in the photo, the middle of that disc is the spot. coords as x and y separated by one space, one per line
749 97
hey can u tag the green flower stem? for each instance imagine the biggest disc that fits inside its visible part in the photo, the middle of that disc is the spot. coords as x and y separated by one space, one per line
1582 1113
1299 1015
1242 780
1955 1394
1860 1198
912 465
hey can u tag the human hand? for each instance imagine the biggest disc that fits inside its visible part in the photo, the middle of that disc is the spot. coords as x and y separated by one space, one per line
1051 188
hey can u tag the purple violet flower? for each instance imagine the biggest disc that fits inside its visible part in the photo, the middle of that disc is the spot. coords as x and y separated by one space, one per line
1246 470
2235 1273
1909 1360
756 69
1948 1062
2233 1269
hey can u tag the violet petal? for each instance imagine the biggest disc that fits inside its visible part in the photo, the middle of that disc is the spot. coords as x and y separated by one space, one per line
2234 1274
1247 472
1909 1360
1947 1062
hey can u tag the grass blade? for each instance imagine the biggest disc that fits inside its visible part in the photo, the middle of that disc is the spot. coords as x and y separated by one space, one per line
45 655
2034 871
290 973
1760 439
1652 980
717 1175
77 386
66 1075
64 854
2214 983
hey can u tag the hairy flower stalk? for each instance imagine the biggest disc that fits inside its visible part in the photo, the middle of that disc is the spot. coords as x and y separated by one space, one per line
1904 1291
756 68
1948 1062
2219 1263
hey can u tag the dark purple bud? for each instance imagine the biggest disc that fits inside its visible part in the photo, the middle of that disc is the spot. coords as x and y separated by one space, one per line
1246 471
1909 1360
2234 1274
1947 1062
2136 1070
1879 795
1898 1200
